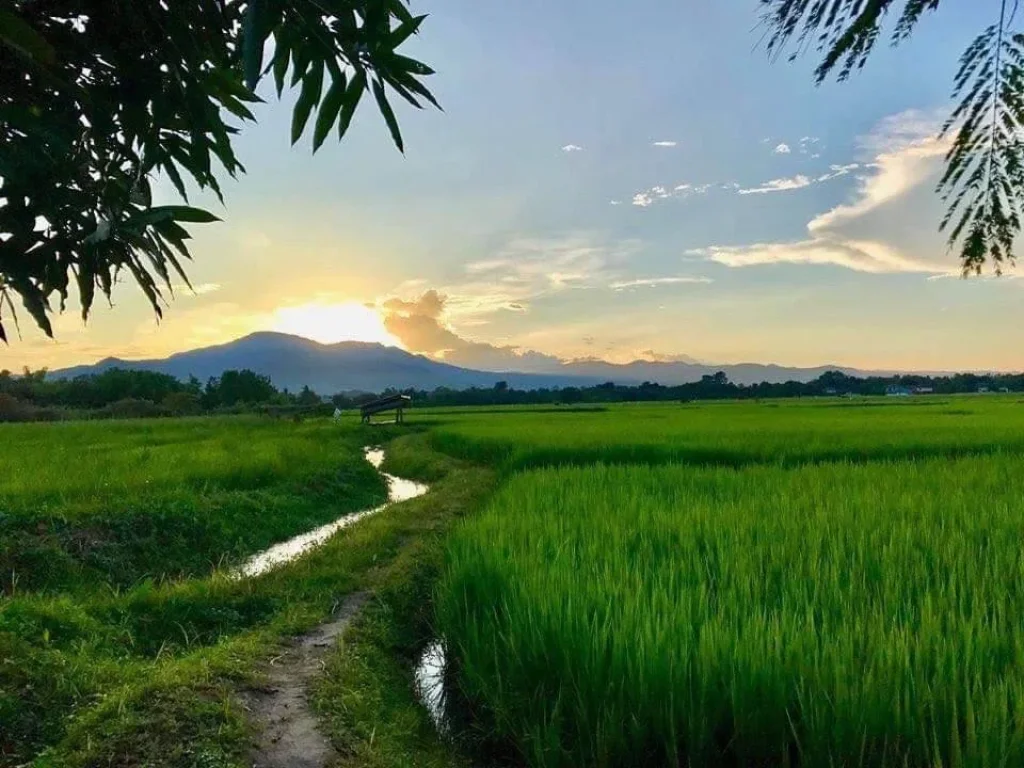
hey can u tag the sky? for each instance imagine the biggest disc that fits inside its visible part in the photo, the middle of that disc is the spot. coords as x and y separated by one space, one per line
638 185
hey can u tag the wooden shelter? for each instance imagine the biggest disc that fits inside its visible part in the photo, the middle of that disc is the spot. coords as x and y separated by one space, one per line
396 403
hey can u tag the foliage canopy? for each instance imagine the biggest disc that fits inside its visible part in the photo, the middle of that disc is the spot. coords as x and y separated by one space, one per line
98 96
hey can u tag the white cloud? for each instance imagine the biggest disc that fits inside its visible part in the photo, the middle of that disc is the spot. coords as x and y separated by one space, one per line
889 224
614 202
664 143
531 268
862 256
795 182
572 148
778 185
197 290
897 170
807 143
782 149
660 192
651 282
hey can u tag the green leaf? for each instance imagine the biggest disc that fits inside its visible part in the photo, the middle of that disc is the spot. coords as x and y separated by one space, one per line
352 97
16 34
329 111
187 213
404 31
308 97
252 45
282 56
389 114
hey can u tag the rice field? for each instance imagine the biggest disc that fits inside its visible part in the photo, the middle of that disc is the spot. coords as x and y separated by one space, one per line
741 584
735 433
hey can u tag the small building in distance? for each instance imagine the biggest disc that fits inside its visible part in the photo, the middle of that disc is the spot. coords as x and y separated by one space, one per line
898 390
923 390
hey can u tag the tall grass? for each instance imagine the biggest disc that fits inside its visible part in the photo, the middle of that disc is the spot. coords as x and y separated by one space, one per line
110 622
116 502
825 615
784 432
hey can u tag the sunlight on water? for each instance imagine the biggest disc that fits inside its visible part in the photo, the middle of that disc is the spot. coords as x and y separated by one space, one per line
430 684
399 489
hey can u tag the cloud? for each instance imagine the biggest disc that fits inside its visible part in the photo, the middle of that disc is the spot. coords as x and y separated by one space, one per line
651 282
196 290
888 224
782 149
681 191
529 269
779 185
797 182
420 325
807 143
572 148
664 143
652 356
862 256
508 283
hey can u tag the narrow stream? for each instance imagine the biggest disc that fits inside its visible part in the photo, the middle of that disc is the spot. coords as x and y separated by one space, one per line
399 489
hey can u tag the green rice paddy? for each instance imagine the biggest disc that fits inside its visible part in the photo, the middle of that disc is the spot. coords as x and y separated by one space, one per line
775 584
813 583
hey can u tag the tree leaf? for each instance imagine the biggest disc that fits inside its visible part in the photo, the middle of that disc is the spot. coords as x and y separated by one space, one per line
252 45
352 96
187 213
388 113
404 31
304 106
15 33
329 110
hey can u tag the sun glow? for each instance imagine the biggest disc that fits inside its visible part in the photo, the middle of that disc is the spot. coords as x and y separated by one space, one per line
330 323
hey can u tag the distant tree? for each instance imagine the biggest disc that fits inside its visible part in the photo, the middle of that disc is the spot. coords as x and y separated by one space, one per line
98 97
501 386
308 397
237 387
983 184
183 403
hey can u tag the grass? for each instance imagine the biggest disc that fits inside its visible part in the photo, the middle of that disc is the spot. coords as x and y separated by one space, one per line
823 582
735 433
127 651
89 503
779 610
366 696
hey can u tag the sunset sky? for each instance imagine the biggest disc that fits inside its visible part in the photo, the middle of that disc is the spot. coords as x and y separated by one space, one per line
607 183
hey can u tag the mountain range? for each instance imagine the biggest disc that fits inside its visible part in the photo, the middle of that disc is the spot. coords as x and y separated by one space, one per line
293 362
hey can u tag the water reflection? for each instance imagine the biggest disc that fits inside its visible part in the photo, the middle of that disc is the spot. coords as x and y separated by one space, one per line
430 684
399 489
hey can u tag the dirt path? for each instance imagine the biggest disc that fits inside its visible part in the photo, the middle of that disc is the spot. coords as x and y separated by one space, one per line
288 732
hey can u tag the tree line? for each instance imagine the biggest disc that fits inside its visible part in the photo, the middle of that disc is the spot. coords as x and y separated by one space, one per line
121 393
709 387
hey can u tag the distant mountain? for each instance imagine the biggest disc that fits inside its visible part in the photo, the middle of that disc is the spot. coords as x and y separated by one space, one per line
293 362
